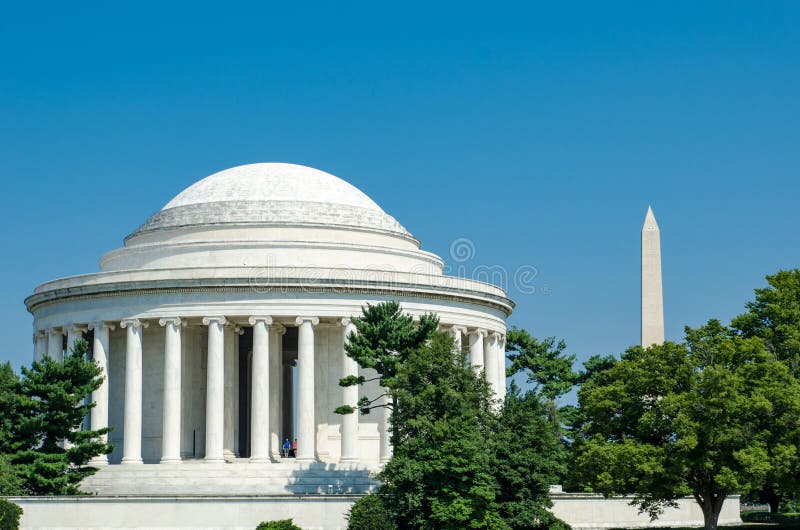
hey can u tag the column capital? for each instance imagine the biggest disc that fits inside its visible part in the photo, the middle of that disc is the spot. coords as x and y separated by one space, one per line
133 323
455 328
478 332
278 328
83 328
344 322
313 320
265 319
56 330
216 320
100 325
175 321
39 334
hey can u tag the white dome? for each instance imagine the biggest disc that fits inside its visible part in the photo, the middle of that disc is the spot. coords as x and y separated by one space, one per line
273 182
272 194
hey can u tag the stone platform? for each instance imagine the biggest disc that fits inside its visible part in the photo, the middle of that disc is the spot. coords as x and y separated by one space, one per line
310 512
237 478
239 495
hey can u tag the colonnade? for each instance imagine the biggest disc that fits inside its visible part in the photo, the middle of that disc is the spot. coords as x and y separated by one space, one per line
486 354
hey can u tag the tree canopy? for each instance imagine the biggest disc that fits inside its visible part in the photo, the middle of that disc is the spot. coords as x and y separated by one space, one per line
440 474
448 439
687 419
774 317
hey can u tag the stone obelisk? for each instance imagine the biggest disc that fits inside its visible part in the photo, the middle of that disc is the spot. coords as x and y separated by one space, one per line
652 296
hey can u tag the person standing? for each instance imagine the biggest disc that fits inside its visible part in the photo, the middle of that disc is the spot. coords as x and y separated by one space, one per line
287 446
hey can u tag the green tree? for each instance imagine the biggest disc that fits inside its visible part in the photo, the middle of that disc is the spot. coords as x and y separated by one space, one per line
440 475
10 405
686 419
10 514
49 451
774 316
447 437
528 458
573 420
384 339
544 362
370 513
548 370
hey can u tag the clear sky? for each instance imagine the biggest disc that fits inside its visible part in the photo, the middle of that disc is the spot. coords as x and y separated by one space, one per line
539 133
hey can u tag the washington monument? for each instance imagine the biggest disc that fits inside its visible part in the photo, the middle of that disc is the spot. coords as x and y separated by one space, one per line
652 297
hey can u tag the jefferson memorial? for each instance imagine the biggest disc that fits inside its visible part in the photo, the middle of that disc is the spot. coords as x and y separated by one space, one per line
221 323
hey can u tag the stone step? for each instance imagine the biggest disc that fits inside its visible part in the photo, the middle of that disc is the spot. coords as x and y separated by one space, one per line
241 479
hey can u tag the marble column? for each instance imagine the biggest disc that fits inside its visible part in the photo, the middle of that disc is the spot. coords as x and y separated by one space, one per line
476 348
132 435
74 334
456 332
171 430
215 390
39 345
490 356
98 418
306 428
229 446
349 453
259 408
275 389
55 344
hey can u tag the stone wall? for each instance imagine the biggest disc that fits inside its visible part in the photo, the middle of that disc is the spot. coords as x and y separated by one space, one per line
328 512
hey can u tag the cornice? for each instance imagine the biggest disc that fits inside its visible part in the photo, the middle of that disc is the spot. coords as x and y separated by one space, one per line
265 285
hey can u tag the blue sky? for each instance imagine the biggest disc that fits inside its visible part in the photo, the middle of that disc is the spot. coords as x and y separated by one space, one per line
540 133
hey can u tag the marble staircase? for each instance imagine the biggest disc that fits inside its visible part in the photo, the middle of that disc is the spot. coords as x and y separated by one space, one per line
193 478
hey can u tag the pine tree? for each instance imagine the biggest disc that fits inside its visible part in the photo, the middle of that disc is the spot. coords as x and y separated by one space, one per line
50 452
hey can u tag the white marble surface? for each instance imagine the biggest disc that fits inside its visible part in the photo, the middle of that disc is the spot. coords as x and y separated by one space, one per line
318 512
652 295
273 181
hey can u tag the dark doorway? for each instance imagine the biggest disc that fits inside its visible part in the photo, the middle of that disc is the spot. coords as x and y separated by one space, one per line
245 385
289 362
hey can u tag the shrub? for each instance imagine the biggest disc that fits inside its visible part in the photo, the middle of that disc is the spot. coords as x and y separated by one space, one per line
766 517
9 515
284 524
369 513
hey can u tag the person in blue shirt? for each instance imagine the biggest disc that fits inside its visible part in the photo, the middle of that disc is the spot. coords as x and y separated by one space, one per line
287 445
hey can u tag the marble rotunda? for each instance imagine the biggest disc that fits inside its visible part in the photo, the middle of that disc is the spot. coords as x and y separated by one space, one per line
220 323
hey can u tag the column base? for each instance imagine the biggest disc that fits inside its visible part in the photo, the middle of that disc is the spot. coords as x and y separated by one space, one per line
213 460
170 460
305 460
260 460
101 460
349 460
131 461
